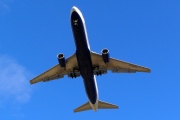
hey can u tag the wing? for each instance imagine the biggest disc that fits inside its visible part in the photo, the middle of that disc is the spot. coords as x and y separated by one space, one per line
116 66
56 72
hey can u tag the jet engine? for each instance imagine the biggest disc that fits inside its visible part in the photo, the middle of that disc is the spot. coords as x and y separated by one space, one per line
105 55
61 60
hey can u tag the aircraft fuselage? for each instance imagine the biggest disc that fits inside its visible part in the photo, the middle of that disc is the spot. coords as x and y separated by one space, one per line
83 55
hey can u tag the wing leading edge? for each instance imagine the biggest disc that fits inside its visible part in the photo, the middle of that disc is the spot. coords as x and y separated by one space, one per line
59 72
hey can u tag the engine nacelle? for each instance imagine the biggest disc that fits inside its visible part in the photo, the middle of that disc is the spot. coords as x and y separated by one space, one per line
61 60
105 55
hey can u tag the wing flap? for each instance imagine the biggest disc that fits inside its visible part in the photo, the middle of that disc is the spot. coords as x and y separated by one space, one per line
116 70
53 77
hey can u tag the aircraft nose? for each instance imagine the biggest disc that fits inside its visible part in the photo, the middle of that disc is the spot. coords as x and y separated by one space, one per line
76 14
74 8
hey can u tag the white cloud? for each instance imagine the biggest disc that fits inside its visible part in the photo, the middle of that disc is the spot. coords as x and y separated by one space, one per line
14 83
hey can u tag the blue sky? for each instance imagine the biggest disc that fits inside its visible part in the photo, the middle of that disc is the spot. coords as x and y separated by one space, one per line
144 32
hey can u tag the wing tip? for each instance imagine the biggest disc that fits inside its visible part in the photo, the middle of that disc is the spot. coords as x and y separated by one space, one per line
148 70
31 82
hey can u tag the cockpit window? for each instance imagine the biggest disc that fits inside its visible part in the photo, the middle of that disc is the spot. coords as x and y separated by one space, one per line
75 21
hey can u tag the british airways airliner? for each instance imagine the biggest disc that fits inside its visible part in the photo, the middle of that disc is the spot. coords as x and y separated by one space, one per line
87 64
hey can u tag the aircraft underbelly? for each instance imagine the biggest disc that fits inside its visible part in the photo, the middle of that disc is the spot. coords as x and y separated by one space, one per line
86 70
84 57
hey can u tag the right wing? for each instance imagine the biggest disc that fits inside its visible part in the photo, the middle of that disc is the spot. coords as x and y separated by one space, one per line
114 65
59 72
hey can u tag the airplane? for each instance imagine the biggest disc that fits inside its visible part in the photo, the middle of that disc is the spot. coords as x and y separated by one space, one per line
87 64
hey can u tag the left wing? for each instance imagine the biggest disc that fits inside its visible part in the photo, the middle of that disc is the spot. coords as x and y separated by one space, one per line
56 72
114 65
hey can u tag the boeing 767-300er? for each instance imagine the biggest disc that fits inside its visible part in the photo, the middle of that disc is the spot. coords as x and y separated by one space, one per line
86 63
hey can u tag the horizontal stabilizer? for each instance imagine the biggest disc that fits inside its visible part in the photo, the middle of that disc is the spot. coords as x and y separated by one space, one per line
104 105
83 107
101 105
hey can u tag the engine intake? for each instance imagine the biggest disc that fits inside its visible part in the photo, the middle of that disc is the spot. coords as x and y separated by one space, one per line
105 55
61 60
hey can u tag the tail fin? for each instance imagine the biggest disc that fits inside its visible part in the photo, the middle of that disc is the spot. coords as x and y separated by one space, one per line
101 105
